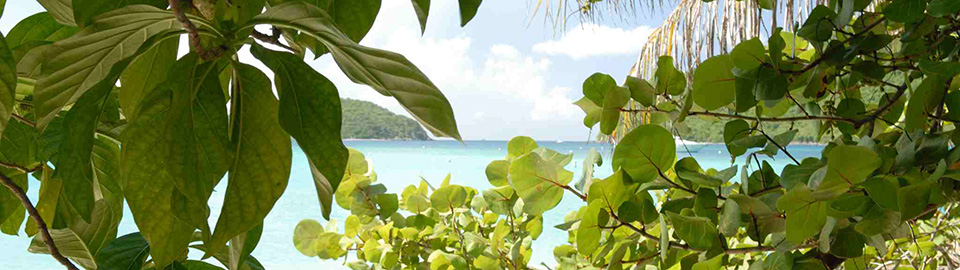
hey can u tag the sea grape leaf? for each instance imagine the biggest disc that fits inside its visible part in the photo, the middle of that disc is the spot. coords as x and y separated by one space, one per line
847 166
645 152
713 83
538 182
805 216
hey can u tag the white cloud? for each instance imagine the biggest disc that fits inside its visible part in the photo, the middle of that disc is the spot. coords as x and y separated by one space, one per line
589 39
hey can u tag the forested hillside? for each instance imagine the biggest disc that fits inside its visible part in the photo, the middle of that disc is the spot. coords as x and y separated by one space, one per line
365 120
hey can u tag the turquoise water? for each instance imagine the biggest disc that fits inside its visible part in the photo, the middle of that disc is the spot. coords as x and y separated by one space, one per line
398 164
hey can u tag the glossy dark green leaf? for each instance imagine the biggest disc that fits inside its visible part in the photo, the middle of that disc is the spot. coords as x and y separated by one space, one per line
422 8
905 11
818 27
353 18
468 9
940 8
8 83
705 204
310 112
389 73
261 168
645 152
848 243
732 131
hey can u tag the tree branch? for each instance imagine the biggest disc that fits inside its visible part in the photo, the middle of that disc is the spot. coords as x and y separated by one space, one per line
42 226
749 118
193 33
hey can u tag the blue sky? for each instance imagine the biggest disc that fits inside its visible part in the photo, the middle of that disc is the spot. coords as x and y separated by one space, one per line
507 73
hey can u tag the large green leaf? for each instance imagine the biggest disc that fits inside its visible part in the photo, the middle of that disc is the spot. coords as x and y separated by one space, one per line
69 244
145 73
645 152
62 10
353 17
596 87
173 155
749 54
698 232
74 165
128 252
540 183
805 216
389 73
310 112
846 166
38 27
261 168
184 123
77 63
84 11
8 83
713 83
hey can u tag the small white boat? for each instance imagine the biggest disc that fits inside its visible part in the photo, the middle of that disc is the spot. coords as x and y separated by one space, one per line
688 146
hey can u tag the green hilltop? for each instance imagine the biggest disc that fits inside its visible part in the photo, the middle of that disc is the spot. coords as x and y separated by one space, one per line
365 120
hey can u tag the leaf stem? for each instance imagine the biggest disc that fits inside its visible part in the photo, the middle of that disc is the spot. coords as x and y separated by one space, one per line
42 226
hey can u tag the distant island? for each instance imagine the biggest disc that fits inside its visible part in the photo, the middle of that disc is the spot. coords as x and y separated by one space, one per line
365 120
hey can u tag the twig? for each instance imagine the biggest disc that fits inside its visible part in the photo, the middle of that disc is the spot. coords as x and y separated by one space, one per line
781 147
748 118
193 33
42 226
273 39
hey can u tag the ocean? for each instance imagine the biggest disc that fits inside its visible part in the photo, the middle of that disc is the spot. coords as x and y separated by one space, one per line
397 164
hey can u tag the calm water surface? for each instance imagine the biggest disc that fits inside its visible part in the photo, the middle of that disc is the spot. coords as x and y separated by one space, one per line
398 164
